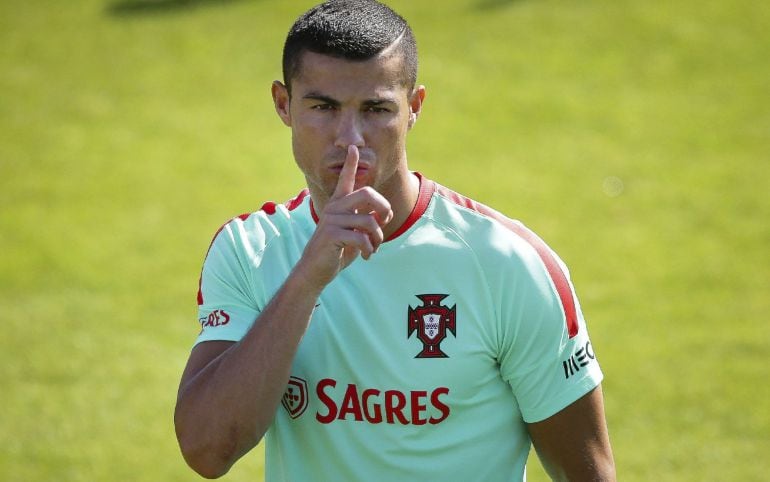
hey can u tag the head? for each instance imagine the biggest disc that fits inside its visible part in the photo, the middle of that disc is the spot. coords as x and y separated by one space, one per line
354 30
350 68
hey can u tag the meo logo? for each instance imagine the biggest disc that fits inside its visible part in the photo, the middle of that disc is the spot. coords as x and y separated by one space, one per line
578 360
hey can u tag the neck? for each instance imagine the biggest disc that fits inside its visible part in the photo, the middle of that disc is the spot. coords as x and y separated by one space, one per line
402 203
402 192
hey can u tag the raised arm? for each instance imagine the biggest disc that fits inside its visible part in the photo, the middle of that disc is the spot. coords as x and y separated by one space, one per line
573 445
229 392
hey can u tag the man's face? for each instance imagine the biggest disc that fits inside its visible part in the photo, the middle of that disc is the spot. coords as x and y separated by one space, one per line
335 103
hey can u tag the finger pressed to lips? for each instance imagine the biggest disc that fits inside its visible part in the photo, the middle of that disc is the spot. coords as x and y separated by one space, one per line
347 179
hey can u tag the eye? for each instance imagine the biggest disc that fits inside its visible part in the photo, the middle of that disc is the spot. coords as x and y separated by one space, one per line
377 110
322 107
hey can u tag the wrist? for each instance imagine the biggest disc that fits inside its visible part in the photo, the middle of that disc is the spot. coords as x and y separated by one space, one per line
303 283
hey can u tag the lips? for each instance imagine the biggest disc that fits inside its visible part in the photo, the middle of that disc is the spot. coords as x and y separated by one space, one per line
363 167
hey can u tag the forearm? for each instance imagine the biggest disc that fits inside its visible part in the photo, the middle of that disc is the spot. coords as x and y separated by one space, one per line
225 409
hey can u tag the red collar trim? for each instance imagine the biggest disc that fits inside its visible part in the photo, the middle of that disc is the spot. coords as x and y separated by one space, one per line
312 211
427 188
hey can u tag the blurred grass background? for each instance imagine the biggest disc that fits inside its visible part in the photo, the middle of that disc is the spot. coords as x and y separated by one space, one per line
633 136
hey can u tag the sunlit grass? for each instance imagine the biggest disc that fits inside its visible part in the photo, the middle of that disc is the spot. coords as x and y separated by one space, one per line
633 136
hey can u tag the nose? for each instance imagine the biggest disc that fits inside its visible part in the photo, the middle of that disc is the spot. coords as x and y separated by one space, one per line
349 131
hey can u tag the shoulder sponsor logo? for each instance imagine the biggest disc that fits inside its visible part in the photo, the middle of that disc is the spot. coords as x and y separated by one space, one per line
578 360
370 405
431 321
215 318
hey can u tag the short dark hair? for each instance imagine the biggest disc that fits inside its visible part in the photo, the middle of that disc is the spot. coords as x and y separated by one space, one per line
352 30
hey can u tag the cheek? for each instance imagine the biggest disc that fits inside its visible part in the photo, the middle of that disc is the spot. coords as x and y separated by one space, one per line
397 135
391 130
302 152
306 137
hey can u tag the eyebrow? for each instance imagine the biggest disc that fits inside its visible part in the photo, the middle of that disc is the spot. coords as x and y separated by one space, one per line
322 98
376 102
331 101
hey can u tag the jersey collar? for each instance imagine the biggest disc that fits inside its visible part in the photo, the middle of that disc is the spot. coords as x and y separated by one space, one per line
427 188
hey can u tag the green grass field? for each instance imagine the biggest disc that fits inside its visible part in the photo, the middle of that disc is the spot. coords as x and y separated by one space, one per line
633 136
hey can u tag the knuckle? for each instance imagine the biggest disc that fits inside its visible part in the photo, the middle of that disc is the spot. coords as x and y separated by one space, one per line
369 194
374 226
368 190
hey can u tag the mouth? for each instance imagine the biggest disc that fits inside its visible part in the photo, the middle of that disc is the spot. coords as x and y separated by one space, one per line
362 169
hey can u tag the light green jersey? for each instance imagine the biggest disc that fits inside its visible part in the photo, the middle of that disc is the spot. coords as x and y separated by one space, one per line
422 363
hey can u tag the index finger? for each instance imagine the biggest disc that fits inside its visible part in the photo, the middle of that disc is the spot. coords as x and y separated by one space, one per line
347 179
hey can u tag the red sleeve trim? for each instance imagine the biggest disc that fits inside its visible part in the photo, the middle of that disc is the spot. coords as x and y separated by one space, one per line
557 275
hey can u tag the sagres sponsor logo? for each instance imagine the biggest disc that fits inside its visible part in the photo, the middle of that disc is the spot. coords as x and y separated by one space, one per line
295 397
372 405
340 402
431 322
580 359
215 318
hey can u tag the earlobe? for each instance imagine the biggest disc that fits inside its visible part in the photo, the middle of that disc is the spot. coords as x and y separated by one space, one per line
281 100
412 119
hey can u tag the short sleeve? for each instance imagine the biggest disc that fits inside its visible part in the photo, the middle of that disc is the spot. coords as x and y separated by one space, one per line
547 365
226 304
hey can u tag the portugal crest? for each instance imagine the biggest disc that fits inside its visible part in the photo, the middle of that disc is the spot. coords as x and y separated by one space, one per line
431 322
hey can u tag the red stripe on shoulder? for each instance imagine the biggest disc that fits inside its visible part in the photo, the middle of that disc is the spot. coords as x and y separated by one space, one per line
269 208
242 217
292 204
557 275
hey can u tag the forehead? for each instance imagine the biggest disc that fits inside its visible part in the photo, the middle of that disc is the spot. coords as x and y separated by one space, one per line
342 78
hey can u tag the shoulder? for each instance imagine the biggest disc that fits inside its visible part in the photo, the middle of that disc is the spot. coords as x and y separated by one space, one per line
242 240
506 247
247 235
484 226
258 227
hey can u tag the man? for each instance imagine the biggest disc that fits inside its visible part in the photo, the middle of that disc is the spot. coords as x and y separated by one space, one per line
380 326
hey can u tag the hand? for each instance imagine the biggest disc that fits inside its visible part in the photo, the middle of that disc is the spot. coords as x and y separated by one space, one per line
349 226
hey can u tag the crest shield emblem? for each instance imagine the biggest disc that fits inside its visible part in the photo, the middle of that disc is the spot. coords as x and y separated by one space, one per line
295 397
431 324
431 321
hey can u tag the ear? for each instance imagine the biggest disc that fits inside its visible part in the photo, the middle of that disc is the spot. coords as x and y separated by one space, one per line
282 100
415 104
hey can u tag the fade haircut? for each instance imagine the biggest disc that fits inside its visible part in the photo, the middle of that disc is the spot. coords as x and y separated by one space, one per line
354 30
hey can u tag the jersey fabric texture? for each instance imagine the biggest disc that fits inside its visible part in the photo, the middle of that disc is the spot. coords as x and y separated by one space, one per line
422 363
